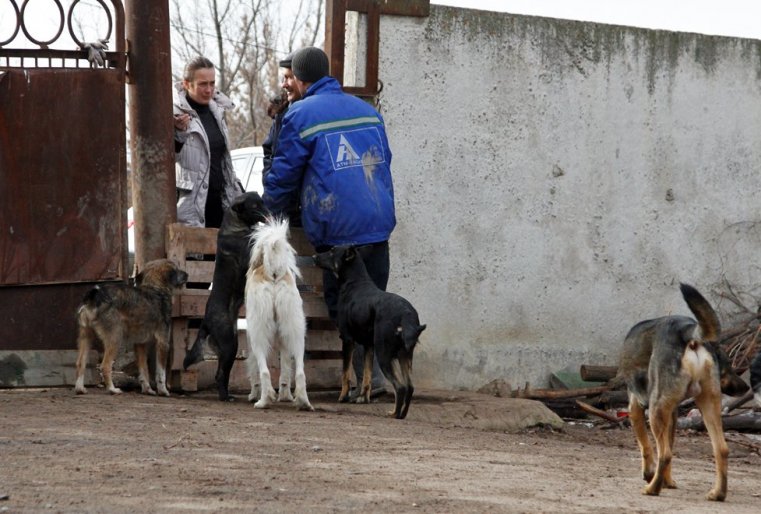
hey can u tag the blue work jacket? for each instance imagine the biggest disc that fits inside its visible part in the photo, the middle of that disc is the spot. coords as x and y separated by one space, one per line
333 154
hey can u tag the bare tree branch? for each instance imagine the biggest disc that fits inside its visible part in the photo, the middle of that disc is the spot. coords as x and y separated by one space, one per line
246 41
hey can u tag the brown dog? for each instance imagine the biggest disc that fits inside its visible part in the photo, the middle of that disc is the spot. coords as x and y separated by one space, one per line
665 361
122 314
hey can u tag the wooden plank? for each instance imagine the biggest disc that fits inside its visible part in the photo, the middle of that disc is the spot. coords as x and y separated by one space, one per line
300 243
199 271
314 306
192 306
319 344
180 342
320 375
193 239
316 341
192 303
321 324
175 250
204 291
322 341
209 353
312 277
181 380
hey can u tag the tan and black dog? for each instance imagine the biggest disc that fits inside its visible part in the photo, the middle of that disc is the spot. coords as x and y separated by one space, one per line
385 324
667 360
120 314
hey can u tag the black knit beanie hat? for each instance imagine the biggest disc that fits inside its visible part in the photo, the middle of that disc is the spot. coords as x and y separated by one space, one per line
286 61
310 64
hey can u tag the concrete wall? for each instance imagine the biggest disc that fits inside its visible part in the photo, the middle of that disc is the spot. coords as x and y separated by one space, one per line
555 180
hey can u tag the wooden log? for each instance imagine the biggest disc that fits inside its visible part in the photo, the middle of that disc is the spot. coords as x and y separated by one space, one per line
539 394
597 373
750 421
619 398
598 412
739 402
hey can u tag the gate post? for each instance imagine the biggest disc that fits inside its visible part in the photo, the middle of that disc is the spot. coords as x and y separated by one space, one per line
151 128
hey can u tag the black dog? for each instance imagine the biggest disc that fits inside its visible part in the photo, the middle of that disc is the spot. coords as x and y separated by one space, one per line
230 266
383 323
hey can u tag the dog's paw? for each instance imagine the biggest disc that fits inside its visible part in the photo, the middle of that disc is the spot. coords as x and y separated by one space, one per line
252 397
80 390
304 405
163 391
651 490
148 391
262 404
115 390
284 395
716 495
343 398
268 398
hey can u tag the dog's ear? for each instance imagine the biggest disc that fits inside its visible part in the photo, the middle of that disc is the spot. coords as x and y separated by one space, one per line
350 253
238 204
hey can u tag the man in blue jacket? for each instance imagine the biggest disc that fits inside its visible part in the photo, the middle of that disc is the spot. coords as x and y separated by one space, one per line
333 156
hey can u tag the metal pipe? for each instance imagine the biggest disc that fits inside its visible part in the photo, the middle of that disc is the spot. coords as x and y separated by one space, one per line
151 129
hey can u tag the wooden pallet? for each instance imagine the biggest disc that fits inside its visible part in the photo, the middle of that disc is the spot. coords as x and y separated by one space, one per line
185 245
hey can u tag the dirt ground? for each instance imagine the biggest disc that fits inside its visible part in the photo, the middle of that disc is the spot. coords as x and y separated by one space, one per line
132 453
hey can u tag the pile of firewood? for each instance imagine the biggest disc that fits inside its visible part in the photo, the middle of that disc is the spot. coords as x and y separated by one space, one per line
609 401
742 343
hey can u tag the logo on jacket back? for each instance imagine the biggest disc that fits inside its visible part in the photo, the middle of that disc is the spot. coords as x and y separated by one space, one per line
355 148
346 156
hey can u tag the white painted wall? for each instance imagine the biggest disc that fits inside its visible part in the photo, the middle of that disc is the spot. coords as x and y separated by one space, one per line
555 181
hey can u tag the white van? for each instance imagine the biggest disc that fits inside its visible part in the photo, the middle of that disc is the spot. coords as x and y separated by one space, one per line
248 163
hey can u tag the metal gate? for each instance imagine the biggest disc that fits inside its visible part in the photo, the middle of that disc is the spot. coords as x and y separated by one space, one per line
63 183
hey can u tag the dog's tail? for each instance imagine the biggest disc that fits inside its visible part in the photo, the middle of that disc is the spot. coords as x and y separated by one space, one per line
92 300
96 297
708 321
272 249
410 334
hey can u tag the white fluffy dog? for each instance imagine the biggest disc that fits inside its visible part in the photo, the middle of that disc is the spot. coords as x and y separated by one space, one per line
275 315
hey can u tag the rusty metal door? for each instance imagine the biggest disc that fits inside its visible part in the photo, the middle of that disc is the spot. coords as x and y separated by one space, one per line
63 176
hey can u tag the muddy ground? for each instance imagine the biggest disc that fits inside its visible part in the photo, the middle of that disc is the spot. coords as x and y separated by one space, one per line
133 453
